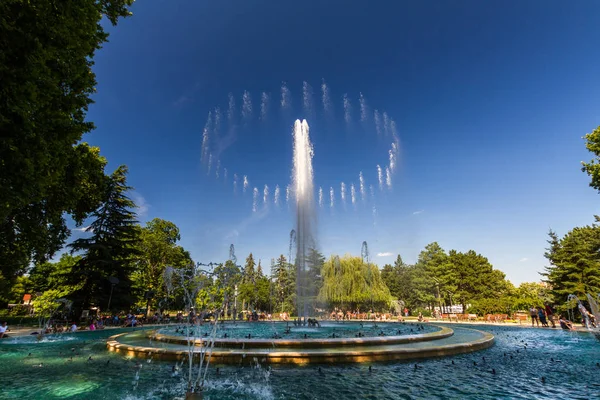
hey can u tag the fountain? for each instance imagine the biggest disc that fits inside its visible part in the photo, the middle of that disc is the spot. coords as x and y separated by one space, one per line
256 343
305 215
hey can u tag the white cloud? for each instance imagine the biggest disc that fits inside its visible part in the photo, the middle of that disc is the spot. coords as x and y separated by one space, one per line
385 254
418 212
523 259
142 205
83 229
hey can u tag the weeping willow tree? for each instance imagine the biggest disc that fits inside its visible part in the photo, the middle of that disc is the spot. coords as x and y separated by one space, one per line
349 283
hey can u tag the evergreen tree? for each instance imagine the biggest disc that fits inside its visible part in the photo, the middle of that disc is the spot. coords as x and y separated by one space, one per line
248 287
259 271
111 251
574 263
283 274
249 271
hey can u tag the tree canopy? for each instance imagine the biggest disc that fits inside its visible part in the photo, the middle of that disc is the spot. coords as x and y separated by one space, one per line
349 282
574 263
592 168
46 55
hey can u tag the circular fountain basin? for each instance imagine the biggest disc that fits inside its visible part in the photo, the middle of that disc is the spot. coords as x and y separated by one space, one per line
443 341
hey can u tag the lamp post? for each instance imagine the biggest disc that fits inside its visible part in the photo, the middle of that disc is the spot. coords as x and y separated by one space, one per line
113 282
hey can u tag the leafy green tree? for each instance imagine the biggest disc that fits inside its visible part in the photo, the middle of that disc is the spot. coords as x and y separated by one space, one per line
158 248
431 277
474 278
574 263
46 55
349 283
592 168
111 251
49 275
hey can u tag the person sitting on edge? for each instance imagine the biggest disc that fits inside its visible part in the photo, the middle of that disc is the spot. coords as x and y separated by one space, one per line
565 323
74 327
3 329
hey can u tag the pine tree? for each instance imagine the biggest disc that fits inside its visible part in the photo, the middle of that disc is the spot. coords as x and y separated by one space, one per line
259 271
111 251
249 271
574 263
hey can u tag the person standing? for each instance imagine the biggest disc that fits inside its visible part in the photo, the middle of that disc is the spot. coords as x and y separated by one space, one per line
550 315
533 313
3 329
542 317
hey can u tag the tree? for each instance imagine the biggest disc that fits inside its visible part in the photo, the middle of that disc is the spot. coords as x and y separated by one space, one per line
474 278
400 279
249 279
349 283
111 251
314 262
574 263
46 54
49 275
592 168
430 277
284 278
158 248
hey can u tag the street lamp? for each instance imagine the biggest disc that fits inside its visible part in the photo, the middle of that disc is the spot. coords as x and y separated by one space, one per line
113 282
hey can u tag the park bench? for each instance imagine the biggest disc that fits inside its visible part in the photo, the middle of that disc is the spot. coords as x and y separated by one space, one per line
521 317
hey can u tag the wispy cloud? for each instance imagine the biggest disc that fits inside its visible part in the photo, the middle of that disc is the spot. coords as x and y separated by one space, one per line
418 212
181 101
385 254
83 229
257 216
523 259
142 205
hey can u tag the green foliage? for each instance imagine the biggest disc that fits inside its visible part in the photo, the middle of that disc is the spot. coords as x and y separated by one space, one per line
111 251
440 278
284 285
157 249
592 168
48 275
574 263
47 303
350 283
46 55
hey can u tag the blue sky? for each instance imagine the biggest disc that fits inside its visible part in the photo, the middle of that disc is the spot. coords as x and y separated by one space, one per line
490 99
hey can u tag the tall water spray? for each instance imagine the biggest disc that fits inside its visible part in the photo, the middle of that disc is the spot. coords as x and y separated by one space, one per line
305 213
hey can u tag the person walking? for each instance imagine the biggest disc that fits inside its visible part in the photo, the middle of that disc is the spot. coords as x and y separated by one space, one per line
533 313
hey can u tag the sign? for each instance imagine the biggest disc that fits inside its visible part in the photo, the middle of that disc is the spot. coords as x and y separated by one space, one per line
26 298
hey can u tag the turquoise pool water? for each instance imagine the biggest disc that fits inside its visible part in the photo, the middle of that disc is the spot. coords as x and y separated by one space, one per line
567 361
341 330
